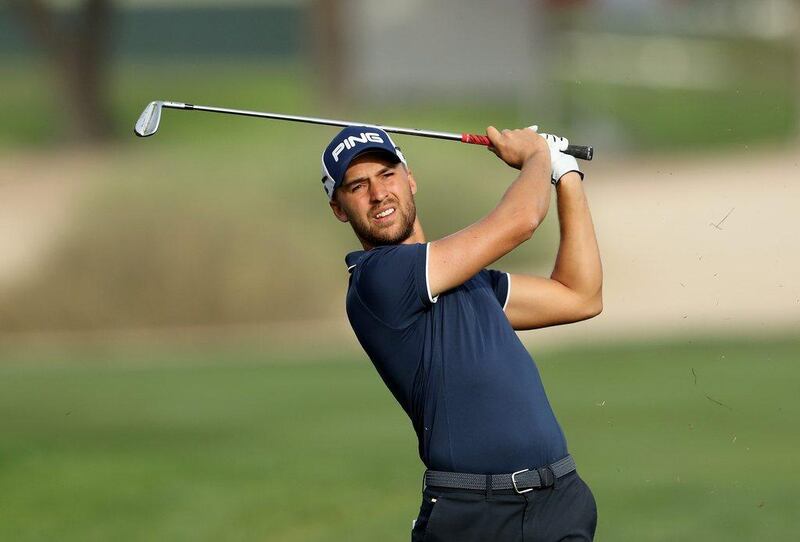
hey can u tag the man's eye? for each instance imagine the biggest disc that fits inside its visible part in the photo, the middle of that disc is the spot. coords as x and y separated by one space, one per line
388 174
357 187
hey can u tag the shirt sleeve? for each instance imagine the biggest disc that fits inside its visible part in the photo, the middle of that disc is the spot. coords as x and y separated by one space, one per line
501 285
392 282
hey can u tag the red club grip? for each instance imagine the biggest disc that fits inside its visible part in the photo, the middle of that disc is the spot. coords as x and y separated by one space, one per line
584 152
475 139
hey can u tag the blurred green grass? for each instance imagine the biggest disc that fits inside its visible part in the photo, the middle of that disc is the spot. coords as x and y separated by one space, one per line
690 120
754 109
32 110
235 444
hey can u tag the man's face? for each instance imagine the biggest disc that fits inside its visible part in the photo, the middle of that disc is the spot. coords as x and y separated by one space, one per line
377 198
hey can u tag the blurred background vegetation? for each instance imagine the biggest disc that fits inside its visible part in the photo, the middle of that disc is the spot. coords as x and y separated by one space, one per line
174 356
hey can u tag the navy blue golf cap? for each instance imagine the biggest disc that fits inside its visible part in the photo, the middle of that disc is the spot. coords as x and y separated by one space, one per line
346 146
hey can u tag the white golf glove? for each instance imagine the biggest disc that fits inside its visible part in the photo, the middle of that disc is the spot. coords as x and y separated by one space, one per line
560 163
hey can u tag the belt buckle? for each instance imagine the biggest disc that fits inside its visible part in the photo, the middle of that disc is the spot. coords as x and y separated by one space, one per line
514 482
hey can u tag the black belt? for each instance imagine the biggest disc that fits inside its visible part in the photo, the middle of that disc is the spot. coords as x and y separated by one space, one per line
522 481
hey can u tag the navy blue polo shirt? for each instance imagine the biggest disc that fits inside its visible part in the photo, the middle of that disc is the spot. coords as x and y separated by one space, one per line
453 362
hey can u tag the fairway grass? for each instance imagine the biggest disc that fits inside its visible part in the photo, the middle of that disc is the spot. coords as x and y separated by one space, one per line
679 441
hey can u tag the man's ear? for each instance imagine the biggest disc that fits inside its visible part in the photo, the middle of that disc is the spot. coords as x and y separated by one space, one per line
337 210
412 183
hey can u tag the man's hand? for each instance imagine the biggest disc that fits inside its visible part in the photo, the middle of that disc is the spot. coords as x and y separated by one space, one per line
457 257
560 163
515 147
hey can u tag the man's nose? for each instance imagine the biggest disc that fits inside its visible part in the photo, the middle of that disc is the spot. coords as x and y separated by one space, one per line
377 191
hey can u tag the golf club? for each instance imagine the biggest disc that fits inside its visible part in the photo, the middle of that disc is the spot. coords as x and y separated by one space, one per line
150 118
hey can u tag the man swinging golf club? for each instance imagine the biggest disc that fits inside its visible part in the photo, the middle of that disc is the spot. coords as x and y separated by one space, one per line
439 328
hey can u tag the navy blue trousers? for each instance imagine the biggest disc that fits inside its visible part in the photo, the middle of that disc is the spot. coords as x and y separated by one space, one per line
565 512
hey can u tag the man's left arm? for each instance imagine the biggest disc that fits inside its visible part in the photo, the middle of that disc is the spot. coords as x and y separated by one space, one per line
574 290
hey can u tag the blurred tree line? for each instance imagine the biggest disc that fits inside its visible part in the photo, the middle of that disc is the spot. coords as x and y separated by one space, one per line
78 54
78 49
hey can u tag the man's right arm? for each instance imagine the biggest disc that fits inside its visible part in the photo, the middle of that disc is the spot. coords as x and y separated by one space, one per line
457 257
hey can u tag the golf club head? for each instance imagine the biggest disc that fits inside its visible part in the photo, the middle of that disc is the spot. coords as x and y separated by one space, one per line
149 120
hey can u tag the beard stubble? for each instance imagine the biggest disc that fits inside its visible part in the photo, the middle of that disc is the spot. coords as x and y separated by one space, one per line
376 237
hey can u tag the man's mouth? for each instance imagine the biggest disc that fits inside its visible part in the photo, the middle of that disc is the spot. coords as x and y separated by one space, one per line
384 213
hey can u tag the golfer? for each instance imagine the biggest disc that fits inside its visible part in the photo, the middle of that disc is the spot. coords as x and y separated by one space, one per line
439 328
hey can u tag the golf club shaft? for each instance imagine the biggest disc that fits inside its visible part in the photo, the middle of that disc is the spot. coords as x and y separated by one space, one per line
578 151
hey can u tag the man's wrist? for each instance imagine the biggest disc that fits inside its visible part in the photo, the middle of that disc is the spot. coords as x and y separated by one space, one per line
538 155
536 150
